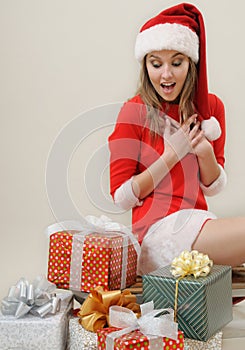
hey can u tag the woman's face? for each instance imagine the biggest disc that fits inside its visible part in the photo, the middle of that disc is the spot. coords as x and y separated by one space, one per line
167 70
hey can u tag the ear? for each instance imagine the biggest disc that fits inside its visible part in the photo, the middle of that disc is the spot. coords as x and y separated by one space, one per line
211 128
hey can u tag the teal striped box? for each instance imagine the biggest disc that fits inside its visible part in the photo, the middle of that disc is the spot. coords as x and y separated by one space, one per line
204 303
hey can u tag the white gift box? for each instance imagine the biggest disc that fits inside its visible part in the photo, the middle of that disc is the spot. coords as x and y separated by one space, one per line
214 343
79 338
35 333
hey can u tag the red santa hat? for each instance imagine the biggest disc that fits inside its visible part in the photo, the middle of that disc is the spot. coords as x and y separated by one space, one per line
179 28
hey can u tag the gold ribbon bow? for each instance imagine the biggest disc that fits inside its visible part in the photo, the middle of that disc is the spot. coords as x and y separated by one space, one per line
189 263
94 312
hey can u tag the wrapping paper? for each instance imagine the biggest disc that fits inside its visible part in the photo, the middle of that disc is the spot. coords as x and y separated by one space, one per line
79 338
136 340
84 260
214 343
153 328
204 303
32 332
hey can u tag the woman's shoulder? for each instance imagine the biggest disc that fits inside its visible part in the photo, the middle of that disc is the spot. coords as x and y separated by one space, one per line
215 103
136 99
133 111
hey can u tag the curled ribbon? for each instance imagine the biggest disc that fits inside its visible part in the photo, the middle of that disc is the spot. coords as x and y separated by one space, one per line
151 326
37 298
189 263
94 312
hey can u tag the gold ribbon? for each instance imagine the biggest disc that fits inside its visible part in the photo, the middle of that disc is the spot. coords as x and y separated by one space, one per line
94 312
189 263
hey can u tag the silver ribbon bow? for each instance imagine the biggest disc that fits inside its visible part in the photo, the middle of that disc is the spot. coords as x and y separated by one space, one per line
151 326
38 298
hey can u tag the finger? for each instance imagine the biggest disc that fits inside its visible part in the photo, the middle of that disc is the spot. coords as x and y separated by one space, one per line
173 129
195 115
186 125
197 138
195 130
175 124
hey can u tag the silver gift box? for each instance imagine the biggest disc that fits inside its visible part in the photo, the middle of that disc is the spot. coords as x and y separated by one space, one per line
214 343
36 333
79 338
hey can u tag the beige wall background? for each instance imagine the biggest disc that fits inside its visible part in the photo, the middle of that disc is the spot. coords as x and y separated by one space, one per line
61 59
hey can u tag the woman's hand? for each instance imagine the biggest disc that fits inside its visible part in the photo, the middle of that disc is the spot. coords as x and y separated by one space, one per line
182 139
208 167
200 144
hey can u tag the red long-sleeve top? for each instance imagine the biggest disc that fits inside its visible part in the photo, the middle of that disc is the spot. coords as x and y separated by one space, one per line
133 150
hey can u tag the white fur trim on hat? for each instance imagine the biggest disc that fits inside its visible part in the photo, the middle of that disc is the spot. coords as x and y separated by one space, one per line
211 128
167 36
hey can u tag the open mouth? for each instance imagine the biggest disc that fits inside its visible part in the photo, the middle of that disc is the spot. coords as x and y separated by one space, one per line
168 86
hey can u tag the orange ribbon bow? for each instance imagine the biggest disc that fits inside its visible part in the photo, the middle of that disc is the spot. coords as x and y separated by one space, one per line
94 312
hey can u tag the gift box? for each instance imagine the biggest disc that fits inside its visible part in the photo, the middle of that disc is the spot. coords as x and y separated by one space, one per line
137 340
79 338
98 257
214 343
97 252
32 332
145 331
204 304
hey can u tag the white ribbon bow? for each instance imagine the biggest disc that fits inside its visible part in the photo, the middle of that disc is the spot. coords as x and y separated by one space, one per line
92 223
151 326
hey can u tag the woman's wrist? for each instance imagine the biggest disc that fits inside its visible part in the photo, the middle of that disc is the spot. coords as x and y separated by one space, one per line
206 150
170 157
208 166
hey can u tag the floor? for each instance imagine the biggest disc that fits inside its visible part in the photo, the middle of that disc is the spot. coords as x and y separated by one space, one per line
234 332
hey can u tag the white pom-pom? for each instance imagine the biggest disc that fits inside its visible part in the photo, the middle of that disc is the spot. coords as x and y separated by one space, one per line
211 128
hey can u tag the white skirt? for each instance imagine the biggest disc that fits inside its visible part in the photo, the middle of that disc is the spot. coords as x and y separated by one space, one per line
168 237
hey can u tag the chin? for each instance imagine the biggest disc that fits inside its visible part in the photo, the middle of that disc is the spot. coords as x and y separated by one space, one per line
171 100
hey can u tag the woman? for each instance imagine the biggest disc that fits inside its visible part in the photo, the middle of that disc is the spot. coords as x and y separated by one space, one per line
167 148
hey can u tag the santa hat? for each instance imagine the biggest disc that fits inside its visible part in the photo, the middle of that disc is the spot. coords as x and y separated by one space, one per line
180 28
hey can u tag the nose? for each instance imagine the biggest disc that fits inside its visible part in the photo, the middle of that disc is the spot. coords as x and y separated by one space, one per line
166 71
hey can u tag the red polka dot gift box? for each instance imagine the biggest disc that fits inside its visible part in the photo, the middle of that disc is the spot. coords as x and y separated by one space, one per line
135 340
84 260
145 331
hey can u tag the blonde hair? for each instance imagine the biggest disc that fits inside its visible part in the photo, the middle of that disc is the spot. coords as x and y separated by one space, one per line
154 102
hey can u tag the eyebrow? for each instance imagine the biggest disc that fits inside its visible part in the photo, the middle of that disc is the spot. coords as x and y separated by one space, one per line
174 55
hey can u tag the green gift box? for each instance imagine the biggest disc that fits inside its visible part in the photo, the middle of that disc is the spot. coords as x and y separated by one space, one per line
204 304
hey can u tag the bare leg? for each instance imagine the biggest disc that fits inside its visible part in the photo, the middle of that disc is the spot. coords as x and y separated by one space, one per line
223 240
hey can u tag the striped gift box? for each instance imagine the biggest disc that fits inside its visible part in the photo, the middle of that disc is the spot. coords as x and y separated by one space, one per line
204 303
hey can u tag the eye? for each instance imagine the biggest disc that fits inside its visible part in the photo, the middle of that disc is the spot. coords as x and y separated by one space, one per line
156 64
177 63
